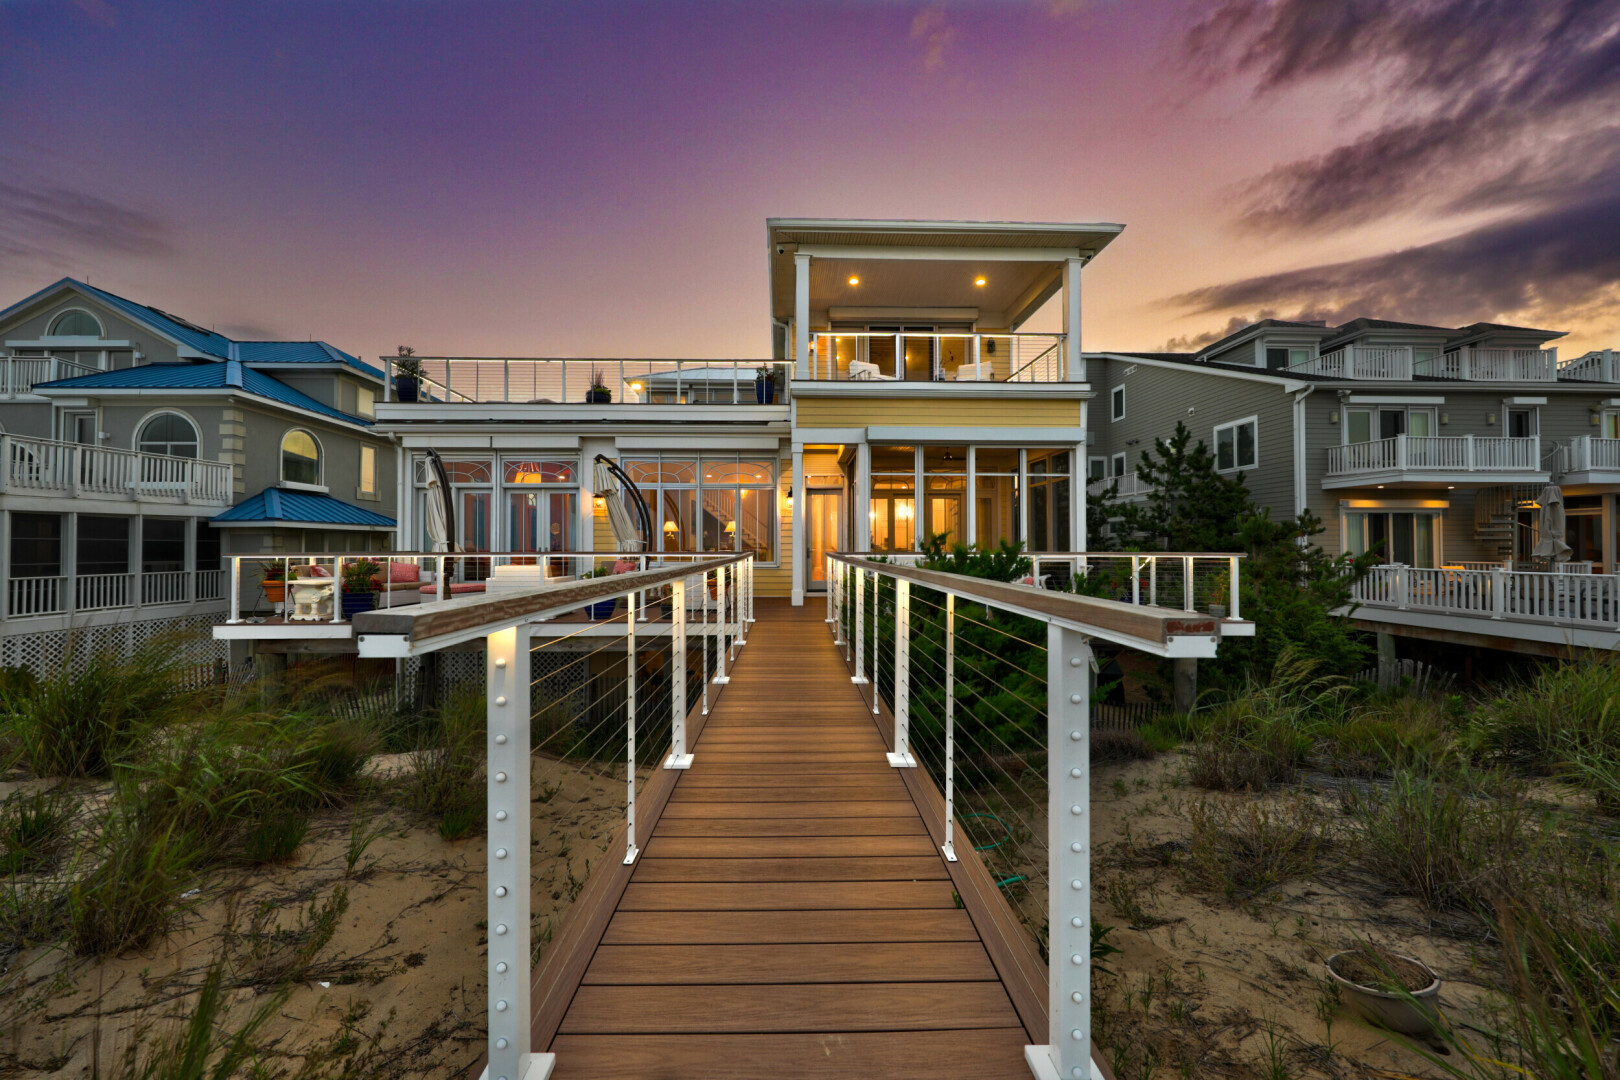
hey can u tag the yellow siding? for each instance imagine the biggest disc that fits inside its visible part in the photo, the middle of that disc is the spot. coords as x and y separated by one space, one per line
772 580
936 412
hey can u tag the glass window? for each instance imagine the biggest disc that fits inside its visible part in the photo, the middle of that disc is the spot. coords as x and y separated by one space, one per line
1521 423
538 472
365 401
945 491
163 545
1276 359
169 434
1423 361
208 546
1048 500
76 324
103 546
995 491
721 503
1411 539
1609 427
368 470
1119 465
1116 403
1096 468
36 545
1235 445
300 458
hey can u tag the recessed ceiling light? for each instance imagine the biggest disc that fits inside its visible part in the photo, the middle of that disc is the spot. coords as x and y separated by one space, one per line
854 281
979 281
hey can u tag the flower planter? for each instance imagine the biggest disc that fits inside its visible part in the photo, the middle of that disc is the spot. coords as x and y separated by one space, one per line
356 602
275 591
405 388
764 391
602 396
602 609
1386 1009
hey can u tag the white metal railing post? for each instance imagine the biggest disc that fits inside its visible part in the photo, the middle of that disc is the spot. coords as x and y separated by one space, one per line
703 610
949 847
877 653
337 590
902 757
1136 580
859 678
720 676
1068 719
827 576
1187 582
742 579
1232 587
236 589
507 753
678 756
751 563
837 582
630 849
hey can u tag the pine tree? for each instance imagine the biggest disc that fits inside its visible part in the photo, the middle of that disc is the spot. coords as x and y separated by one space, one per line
1193 507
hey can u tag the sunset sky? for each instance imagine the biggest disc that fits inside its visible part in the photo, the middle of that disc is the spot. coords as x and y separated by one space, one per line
593 179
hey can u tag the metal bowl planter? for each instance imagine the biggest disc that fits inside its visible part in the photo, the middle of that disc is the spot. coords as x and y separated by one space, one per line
1409 1014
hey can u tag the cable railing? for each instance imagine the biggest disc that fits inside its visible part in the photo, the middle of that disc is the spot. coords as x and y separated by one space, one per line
567 380
989 686
891 356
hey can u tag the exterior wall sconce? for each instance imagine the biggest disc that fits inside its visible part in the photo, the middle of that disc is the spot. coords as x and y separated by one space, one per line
1490 419
1445 418
1333 418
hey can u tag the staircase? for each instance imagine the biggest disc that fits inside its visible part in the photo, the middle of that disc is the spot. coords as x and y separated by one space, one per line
1496 513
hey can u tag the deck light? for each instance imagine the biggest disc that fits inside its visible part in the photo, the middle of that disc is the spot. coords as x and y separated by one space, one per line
979 281
854 280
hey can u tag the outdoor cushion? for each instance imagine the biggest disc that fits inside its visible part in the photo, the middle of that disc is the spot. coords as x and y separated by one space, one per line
457 588
624 566
403 571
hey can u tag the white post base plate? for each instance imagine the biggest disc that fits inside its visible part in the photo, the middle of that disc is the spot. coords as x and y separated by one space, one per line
683 761
859 680
540 1068
902 761
1039 1060
720 680
630 856
949 852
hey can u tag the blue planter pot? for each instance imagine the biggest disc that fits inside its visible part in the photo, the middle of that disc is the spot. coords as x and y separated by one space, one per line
602 609
764 392
355 603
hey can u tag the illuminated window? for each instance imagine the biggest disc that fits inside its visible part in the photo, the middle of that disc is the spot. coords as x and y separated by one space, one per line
300 458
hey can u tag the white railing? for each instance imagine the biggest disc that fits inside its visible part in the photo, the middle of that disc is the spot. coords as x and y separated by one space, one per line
210 584
165 586
99 592
1499 365
1600 365
1497 593
870 356
1586 453
37 595
1131 486
48 467
20 374
559 380
1436 453
1383 363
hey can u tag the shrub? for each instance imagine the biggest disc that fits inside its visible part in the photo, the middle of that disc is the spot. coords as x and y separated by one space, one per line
201 1048
1564 719
444 774
1245 849
275 837
129 898
1262 735
33 831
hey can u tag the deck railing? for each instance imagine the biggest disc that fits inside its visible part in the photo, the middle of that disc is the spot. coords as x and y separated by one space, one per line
1131 486
1498 365
1600 365
1588 453
70 594
1431 453
20 374
63 469
990 687
870 356
1591 600
560 380
1380 363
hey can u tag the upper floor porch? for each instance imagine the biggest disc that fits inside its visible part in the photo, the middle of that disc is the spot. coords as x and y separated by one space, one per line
32 468
20 374
1404 363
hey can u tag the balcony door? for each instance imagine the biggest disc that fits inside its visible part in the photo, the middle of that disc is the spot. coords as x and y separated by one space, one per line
1410 539
1367 425
826 519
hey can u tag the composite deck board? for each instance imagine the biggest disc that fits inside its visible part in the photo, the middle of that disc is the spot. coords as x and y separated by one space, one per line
790 914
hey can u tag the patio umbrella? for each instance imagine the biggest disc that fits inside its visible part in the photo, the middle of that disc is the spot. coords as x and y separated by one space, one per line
609 491
1550 543
441 515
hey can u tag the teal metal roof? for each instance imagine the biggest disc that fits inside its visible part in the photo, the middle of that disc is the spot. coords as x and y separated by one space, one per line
203 375
283 506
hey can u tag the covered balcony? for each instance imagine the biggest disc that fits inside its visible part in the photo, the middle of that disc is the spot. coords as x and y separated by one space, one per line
1591 460
62 470
1436 459
897 356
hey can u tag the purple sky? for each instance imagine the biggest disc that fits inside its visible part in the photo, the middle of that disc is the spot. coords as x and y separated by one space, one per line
593 179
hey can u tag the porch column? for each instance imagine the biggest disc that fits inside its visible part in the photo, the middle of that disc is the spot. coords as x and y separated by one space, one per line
860 499
1077 499
800 510
1074 368
919 508
801 317
971 534
1023 498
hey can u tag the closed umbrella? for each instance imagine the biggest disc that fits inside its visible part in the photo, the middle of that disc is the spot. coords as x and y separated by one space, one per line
1550 541
441 516
608 490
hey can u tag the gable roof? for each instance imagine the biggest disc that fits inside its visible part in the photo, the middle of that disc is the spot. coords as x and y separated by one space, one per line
217 375
1255 328
208 343
1477 331
283 505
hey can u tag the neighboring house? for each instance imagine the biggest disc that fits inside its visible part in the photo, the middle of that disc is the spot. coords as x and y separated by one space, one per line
137 449
908 400
1429 446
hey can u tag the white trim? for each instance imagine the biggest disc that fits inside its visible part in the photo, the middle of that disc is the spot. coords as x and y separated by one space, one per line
1033 437
950 254
1394 399
320 462
903 388
1522 402
1116 393
135 439
767 443
64 339
1215 444
1124 466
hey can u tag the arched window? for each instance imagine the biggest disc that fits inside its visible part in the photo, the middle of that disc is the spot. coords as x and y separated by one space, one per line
76 324
169 434
300 458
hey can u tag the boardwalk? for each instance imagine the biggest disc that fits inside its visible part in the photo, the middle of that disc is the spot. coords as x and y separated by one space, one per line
790 915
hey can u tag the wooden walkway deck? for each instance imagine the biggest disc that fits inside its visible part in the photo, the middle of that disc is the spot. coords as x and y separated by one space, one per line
790 914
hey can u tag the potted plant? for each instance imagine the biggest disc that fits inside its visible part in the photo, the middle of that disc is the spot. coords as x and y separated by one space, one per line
1390 990
600 609
765 384
598 394
274 582
359 586
407 373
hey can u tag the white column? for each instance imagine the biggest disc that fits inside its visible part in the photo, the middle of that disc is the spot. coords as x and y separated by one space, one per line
1023 498
507 750
1074 367
971 534
800 503
919 515
859 575
801 316
1068 718
901 757
1077 498
860 499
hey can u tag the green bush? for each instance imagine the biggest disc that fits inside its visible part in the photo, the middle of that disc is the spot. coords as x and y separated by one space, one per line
1248 848
445 771
1565 721
33 831
130 896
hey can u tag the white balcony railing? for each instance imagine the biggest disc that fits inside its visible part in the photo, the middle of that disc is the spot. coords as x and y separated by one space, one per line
71 594
20 374
1602 365
1578 599
1498 365
1131 486
101 592
1384 363
558 380
46 467
1436 453
1588 453
165 587
870 356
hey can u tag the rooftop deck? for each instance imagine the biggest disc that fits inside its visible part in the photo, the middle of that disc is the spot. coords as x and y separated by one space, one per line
790 913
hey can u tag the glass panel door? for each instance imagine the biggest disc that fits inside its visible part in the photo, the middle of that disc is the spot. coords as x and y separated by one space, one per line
825 518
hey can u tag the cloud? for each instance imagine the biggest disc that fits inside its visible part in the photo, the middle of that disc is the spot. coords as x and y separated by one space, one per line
51 223
933 32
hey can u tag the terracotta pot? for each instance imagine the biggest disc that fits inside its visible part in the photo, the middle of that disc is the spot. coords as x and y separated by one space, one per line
275 591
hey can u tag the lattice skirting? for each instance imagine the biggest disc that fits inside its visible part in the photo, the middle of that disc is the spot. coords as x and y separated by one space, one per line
43 653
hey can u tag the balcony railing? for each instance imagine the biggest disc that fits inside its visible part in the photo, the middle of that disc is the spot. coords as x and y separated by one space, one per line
871 356
1497 365
557 380
1393 364
1587 453
71 594
1431 453
1575 599
1597 366
20 374
46 467
1131 486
